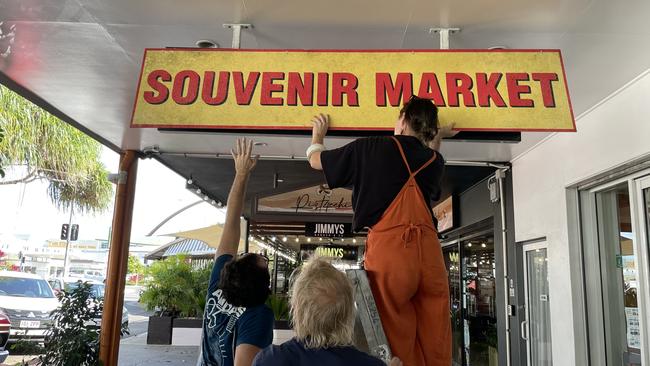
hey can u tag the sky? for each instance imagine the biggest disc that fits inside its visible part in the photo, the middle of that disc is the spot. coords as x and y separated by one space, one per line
27 212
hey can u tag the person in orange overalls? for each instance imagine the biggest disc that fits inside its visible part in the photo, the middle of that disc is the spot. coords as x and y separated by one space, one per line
393 181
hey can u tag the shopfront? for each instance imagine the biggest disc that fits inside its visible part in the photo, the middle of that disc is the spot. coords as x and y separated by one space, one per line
473 252
472 282
586 199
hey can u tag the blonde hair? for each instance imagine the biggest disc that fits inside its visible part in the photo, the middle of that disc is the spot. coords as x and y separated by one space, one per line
322 306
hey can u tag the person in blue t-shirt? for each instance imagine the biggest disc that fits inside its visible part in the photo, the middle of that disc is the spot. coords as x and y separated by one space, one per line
323 314
236 322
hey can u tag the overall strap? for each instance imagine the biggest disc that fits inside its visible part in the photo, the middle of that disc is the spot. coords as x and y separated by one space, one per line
401 150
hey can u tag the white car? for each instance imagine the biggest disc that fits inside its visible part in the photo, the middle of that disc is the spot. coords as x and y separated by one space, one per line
5 325
27 300
97 288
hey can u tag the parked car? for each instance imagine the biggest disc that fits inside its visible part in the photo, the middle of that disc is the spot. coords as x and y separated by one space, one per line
97 287
5 326
87 274
28 301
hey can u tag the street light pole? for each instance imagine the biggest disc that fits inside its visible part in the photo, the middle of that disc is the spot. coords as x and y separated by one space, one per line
67 244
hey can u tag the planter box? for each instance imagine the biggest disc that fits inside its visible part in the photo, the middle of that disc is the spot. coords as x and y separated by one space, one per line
282 324
282 332
186 331
159 330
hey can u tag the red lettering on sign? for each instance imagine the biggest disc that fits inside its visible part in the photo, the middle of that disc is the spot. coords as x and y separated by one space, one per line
487 89
430 89
269 87
344 83
154 80
454 89
208 88
515 90
545 82
323 88
186 87
396 93
244 94
297 88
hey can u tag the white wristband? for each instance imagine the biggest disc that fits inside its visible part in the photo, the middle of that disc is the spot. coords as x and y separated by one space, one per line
314 148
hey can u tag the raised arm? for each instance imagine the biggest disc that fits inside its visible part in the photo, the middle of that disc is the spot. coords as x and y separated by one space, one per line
320 125
244 164
443 132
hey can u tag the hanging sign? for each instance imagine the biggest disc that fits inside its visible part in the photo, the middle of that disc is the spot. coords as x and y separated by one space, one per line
328 230
313 200
492 90
444 213
336 252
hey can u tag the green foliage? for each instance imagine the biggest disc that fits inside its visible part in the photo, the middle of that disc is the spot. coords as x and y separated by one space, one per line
279 304
200 289
175 288
70 341
25 347
135 266
51 149
2 159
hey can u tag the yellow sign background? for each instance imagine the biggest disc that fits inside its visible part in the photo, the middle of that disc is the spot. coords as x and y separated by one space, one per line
365 65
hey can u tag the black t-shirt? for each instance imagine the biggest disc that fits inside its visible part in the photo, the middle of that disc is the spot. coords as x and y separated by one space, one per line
373 167
294 353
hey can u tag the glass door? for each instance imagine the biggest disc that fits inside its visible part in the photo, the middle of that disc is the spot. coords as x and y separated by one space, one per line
451 254
536 329
642 295
478 270
619 265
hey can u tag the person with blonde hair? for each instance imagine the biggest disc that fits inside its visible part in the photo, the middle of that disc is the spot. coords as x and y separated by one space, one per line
323 314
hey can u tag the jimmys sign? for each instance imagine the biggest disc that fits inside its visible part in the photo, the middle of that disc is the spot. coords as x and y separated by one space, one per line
509 90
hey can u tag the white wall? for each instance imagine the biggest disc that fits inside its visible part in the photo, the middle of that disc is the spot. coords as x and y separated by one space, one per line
613 132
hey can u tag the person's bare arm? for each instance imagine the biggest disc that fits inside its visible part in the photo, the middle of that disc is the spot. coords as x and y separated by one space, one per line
245 353
320 126
443 132
244 164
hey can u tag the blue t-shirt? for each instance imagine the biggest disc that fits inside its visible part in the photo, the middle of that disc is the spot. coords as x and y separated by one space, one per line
226 326
293 353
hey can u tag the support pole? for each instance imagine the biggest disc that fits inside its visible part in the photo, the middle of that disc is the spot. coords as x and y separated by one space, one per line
236 33
500 175
117 261
444 35
248 234
67 245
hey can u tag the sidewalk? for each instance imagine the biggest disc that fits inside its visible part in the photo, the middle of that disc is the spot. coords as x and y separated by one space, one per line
135 351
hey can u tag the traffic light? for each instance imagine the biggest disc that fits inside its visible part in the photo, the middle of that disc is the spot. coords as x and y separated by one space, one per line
74 232
64 232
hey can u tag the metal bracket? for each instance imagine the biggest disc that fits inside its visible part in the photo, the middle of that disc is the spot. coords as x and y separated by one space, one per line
444 35
150 151
236 33
118 178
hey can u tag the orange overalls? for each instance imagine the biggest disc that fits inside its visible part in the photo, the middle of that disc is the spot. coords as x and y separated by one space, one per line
408 278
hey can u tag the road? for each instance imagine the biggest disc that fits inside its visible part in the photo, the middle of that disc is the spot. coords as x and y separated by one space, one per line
138 316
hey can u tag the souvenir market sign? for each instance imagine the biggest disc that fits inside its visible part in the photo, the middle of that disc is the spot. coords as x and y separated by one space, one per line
479 90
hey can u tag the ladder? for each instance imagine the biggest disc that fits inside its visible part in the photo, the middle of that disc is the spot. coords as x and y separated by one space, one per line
369 335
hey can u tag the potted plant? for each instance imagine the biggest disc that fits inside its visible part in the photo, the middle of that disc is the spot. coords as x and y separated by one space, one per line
282 329
279 304
170 292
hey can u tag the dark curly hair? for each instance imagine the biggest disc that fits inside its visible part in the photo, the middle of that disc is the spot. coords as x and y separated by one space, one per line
422 116
244 282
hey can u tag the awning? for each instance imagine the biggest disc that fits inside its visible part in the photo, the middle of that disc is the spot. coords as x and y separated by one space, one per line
189 247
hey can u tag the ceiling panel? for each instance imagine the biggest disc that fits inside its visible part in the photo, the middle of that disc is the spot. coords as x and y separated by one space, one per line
83 57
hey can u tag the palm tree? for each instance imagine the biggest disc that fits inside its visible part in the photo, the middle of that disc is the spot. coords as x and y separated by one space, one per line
42 147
